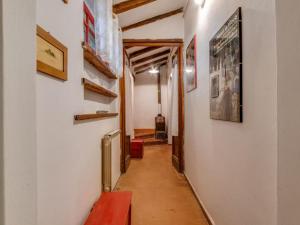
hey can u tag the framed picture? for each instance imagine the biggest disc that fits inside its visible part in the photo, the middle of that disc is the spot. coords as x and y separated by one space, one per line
191 65
52 56
226 71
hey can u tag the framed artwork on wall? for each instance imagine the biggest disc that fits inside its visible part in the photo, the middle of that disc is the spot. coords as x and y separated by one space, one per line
191 65
225 68
52 56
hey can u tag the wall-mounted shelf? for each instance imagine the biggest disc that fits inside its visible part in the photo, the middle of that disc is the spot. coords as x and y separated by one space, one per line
91 86
94 116
97 62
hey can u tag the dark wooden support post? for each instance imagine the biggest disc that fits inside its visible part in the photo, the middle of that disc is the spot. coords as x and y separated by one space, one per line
123 117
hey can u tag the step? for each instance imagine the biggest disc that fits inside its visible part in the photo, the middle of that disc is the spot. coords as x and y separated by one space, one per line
153 141
144 135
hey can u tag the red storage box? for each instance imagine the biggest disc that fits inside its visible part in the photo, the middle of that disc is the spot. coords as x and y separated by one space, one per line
137 149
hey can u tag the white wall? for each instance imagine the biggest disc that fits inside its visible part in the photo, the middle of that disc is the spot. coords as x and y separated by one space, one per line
233 166
145 101
171 27
1 125
69 154
19 116
288 35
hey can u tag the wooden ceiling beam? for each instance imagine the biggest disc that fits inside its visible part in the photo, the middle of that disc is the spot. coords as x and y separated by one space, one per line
143 51
129 47
149 67
151 57
153 42
129 5
151 64
152 19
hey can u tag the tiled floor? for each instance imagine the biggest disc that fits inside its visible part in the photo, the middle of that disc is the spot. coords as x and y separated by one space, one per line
161 196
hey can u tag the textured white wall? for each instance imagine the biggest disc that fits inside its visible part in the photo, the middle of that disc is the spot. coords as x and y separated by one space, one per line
172 27
19 127
288 35
69 154
233 166
145 101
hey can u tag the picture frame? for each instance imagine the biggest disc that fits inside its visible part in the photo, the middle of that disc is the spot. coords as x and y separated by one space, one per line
226 63
191 65
51 55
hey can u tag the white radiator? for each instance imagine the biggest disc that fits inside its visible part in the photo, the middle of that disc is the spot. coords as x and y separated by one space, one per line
111 153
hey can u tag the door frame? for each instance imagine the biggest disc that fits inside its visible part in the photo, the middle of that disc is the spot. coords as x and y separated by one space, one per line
179 163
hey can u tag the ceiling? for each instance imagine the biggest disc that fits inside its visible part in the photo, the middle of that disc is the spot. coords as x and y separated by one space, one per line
149 10
156 56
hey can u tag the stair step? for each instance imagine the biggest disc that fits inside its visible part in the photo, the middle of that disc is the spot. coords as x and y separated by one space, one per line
144 135
153 141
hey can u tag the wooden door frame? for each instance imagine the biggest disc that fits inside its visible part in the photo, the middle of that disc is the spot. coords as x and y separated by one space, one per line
150 43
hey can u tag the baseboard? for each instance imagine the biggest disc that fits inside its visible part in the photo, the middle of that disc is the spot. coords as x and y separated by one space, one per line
206 213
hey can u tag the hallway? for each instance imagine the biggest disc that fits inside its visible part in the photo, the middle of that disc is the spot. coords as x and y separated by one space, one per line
161 196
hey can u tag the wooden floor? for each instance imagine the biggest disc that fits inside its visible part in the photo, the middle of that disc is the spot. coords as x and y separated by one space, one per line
161 196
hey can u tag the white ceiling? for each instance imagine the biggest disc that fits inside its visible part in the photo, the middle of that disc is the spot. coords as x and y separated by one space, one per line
149 10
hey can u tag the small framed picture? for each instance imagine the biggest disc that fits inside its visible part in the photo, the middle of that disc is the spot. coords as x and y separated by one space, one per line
191 65
52 56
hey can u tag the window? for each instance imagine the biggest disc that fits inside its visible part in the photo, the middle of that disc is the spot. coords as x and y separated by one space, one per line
89 24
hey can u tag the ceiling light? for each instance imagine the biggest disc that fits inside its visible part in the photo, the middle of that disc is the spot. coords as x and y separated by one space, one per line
153 71
188 70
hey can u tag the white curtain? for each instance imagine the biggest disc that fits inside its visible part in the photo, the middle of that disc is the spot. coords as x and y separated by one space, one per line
104 29
173 104
129 84
174 120
170 108
120 53
115 50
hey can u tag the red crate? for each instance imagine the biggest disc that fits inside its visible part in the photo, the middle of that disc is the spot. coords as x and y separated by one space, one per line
137 148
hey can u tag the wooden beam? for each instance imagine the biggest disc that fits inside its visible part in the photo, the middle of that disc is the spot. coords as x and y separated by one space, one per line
153 42
152 19
142 51
129 47
151 57
129 4
150 64
149 67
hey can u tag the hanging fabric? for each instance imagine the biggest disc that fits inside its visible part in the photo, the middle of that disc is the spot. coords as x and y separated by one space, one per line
174 120
115 49
120 53
169 118
103 29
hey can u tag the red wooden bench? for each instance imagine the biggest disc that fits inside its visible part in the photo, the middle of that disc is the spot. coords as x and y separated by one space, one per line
113 208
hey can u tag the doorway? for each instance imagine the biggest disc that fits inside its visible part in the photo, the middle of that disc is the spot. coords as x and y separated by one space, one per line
178 140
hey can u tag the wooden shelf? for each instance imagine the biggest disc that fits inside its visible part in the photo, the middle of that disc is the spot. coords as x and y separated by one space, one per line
89 85
94 116
97 62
